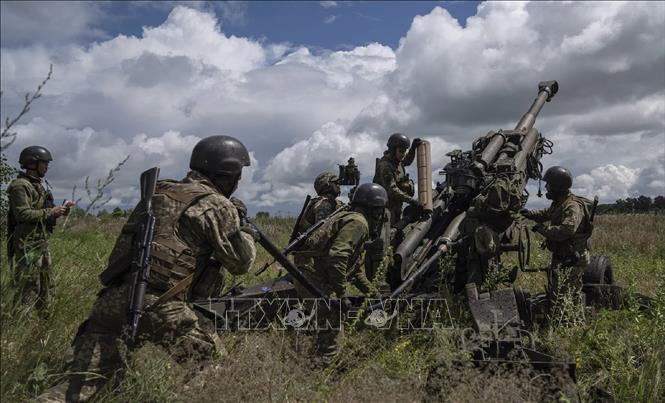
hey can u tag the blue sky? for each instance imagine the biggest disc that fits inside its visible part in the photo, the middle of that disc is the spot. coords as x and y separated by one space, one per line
323 25
306 85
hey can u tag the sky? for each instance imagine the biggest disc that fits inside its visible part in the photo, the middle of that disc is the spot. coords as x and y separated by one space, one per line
306 85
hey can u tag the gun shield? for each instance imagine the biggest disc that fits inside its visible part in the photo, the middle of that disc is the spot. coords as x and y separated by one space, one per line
424 162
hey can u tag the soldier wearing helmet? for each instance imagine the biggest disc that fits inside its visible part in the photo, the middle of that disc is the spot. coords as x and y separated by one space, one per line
327 190
30 221
569 229
335 250
391 175
198 236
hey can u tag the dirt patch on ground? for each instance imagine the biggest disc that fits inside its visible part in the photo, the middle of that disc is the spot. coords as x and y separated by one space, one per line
456 381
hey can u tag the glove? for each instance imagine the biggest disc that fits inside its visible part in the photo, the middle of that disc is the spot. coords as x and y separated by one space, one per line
253 232
526 213
240 206
416 142
537 228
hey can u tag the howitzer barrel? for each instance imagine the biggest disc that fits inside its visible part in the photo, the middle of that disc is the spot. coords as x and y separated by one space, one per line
528 143
546 90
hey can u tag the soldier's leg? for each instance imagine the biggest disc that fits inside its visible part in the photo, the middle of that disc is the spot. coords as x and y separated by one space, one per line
94 356
330 332
26 274
175 326
44 282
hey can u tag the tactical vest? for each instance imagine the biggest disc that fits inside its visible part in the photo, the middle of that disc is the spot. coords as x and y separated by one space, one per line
572 249
171 259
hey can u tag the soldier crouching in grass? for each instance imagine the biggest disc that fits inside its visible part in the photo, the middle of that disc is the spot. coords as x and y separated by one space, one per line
567 235
30 222
197 225
333 252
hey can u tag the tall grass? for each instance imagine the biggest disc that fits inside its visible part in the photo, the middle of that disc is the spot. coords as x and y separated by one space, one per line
620 352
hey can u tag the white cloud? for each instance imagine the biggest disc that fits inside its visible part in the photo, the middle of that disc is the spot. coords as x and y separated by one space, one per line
330 19
302 111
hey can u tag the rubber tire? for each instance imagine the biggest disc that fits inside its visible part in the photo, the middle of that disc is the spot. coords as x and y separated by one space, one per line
599 271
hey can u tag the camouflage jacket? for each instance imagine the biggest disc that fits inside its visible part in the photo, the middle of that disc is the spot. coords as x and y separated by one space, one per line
336 248
318 209
188 237
569 226
29 214
391 175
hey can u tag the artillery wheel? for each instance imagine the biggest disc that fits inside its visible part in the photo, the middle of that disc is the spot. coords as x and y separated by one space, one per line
598 271
523 299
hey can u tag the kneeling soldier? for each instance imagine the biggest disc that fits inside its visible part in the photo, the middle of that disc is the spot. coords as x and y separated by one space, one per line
197 225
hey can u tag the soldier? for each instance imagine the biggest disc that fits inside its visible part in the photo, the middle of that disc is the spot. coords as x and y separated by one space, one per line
30 221
335 249
391 175
327 189
567 235
197 225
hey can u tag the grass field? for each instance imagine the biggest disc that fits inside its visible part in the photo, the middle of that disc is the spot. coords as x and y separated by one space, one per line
619 352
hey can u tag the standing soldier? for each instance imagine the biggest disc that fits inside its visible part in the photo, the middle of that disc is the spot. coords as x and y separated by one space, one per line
327 189
335 249
196 237
567 235
31 219
391 175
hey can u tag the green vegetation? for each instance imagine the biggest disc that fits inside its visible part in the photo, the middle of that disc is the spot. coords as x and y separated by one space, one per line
619 352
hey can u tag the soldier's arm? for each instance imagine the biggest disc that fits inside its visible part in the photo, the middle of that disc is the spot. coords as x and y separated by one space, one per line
348 240
572 217
360 280
409 157
19 200
220 227
540 216
389 183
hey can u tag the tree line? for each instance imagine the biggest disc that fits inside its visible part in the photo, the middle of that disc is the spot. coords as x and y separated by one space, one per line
632 205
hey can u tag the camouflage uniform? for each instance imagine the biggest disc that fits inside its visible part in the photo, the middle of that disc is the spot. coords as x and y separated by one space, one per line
567 235
335 249
30 224
194 224
320 208
391 175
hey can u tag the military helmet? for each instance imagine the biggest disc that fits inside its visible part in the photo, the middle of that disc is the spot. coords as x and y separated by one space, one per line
398 140
32 154
558 178
326 182
219 155
370 195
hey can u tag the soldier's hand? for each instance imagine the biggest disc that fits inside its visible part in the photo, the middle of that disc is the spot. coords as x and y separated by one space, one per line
416 142
251 230
58 211
526 213
240 206
68 206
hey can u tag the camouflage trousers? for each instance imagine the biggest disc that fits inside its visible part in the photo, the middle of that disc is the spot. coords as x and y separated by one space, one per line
32 276
97 351
329 324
